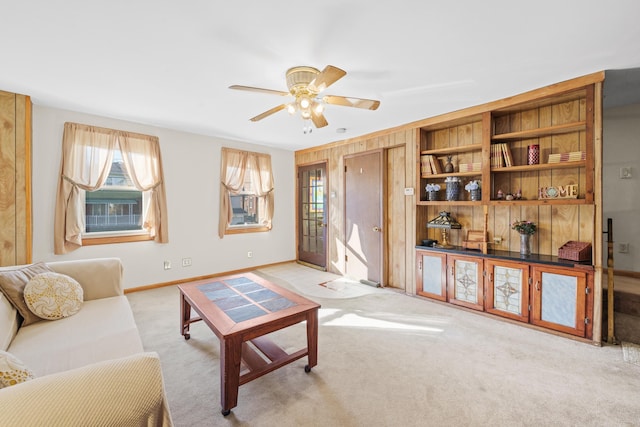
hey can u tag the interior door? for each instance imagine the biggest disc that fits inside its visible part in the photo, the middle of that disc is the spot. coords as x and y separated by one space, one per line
363 216
312 218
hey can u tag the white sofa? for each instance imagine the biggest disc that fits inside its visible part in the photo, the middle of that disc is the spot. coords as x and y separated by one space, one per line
90 368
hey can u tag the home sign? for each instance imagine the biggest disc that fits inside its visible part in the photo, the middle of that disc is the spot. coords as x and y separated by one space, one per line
569 191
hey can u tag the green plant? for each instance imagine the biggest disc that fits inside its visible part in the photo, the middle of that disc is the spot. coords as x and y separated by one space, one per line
524 227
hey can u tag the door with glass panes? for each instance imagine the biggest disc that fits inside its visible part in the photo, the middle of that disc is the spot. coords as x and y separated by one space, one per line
312 214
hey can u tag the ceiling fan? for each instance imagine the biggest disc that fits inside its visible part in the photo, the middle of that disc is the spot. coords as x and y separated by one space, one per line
305 85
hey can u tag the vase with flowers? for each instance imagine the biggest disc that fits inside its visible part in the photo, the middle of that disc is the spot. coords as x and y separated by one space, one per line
473 187
432 192
526 230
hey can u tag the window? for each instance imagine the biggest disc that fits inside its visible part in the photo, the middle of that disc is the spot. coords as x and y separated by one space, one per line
111 188
117 206
246 192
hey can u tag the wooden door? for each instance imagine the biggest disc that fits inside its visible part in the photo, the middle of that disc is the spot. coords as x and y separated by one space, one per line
465 286
507 290
558 299
363 216
312 214
431 277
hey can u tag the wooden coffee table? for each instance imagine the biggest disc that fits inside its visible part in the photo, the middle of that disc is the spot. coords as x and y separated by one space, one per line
243 308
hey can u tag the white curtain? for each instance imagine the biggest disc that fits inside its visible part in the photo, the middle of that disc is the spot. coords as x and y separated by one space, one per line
234 165
87 154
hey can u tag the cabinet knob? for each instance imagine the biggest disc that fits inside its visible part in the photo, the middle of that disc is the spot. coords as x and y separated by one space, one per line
376 228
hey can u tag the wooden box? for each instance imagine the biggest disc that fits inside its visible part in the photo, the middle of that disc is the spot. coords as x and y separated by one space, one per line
476 239
575 251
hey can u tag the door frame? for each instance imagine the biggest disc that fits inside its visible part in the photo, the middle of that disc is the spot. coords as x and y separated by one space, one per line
327 229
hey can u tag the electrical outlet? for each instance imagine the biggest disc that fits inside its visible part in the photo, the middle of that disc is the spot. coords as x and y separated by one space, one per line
497 240
623 248
625 173
186 262
249 254
167 265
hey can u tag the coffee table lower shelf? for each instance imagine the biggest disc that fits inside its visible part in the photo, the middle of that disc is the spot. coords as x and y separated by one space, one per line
257 366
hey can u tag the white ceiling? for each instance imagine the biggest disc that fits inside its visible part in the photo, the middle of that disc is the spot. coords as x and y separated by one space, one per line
170 63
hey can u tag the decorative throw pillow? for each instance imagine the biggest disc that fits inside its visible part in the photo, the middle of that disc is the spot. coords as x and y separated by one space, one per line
12 283
53 296
12 370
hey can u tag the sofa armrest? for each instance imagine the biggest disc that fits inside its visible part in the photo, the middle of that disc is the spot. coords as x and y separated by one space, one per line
126 391
99 277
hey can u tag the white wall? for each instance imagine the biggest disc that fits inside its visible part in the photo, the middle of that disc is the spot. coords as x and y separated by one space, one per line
621 197
192 174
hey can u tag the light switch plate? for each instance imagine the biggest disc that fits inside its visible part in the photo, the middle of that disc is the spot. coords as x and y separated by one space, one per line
408 191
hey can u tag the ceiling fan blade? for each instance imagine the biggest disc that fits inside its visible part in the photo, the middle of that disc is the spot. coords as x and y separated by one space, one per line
326 78
258 89
268 113
318 119
347 101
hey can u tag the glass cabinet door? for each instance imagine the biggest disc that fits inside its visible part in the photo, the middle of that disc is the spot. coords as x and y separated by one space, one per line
431 278
465 285
507 289
559 299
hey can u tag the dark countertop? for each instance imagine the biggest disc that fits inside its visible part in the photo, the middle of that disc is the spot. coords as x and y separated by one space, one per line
513 256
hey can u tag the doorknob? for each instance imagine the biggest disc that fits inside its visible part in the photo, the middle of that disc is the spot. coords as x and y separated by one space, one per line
377 229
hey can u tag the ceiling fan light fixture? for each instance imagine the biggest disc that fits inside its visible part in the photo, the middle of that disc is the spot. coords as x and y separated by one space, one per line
304 102
305 84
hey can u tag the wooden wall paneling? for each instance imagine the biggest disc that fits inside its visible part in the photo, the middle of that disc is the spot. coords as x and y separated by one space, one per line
395 219
531 213
335 154
408 138
513 214
502 225
15 179
598 244
564 225
586 230
8 189
544 230
23 180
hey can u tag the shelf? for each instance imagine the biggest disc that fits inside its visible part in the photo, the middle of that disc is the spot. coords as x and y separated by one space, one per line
449 203
444 175
538 202
531 202
534 133
542 166
451 150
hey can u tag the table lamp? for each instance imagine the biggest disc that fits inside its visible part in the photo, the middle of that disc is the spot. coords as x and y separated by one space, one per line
445 222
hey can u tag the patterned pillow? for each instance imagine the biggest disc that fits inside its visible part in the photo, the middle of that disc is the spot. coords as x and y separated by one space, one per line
12 370
12 283
53 296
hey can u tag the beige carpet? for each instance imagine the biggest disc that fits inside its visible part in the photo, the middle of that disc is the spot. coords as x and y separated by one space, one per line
316 283
388 359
